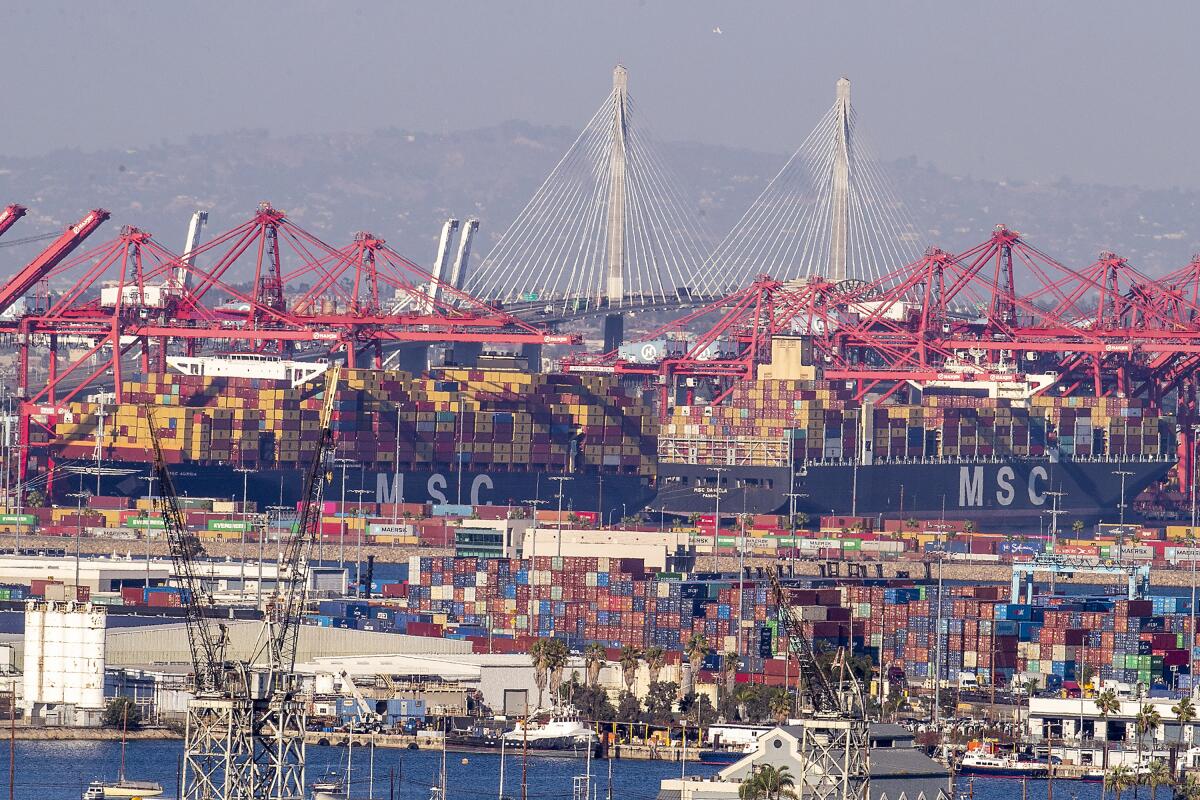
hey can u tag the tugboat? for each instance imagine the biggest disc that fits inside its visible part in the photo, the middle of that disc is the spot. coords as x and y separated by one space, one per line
563 732
985 759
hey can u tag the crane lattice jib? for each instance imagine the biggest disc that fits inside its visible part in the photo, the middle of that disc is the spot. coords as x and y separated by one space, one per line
206 639
813 681
292 592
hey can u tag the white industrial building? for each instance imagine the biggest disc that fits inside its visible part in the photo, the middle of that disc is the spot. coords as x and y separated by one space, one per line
1077 726
107 574
654 548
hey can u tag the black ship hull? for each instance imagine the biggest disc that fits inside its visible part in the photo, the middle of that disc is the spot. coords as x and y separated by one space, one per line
615 494
995 491
999 491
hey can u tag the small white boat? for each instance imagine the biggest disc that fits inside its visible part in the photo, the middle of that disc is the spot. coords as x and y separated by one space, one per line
122 790
331 786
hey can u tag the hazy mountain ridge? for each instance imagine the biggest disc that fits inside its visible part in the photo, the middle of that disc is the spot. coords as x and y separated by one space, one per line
402 184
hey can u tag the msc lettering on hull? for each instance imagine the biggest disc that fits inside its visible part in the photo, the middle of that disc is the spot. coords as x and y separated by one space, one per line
435 489
972 479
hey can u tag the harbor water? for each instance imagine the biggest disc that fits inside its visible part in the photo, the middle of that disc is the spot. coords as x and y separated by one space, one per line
60 770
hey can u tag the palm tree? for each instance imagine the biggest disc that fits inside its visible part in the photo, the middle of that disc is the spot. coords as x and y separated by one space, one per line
1107 703
744 695
729 670
655 658
696 649
1159 774
1189 789
594 656
1118 779
1077 526
537 654
556 655
1147 721
781 705
630 658
768 783
1185 714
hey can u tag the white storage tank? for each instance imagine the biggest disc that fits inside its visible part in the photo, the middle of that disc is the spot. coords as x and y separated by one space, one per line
64 656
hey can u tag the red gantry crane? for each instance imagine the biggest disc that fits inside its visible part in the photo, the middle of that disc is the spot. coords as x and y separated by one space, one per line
9 216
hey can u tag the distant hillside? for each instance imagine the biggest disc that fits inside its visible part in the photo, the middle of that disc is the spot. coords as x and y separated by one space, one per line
401 184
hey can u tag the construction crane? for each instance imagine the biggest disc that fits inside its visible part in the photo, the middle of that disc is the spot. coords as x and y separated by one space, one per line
291 588
813 682
244 737
9 216
207 639
835 737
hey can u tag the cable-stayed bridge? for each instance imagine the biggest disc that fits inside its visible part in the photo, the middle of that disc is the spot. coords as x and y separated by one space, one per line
608 227
830 212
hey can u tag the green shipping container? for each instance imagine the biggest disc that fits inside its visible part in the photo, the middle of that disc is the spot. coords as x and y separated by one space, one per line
726 541
146 522
230 525
852 544
18 519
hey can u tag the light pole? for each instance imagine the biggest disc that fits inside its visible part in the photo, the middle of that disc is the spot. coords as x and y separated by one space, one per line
150 479
793 496
80 495
1123 474
1192 532
345 462
262 538
359 557
561 479
242 548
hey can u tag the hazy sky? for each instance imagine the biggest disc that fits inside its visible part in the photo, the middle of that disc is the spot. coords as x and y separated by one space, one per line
1095 91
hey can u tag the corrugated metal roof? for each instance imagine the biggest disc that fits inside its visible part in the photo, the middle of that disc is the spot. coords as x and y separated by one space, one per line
168 644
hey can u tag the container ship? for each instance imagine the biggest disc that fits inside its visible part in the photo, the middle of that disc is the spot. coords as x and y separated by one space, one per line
590 442
772 443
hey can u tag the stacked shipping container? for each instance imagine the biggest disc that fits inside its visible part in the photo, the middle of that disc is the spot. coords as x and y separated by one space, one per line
385 419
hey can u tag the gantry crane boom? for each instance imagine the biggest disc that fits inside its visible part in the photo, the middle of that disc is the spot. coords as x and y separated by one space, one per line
10 215
816 686
206 638
292 585
60 248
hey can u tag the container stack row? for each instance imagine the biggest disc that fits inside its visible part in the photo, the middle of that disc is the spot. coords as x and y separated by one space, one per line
384 419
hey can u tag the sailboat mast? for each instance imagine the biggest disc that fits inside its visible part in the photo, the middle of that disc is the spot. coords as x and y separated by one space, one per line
124 736
502 740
